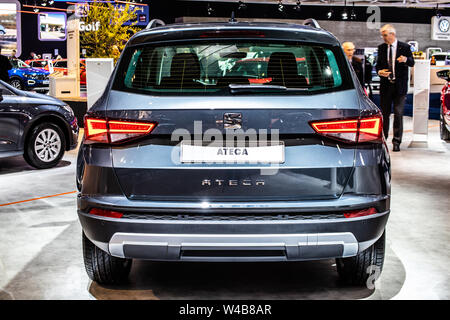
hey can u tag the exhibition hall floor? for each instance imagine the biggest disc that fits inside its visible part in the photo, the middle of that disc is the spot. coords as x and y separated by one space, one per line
41 256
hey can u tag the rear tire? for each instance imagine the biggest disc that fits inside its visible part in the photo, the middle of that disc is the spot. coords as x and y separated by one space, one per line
445 134
45 146
356 270
103 268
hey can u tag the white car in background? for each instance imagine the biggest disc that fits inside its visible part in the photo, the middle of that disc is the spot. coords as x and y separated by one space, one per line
440 59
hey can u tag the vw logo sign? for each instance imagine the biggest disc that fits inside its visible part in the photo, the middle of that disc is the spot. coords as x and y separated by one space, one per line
444 25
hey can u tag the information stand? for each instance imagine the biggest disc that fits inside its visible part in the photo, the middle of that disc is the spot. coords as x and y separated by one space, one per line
98 71
421 101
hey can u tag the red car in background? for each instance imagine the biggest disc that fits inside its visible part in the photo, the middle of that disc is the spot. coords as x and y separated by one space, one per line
256 69
59 66
39 63
445 105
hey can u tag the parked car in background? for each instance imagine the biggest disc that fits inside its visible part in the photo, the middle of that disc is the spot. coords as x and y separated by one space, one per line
23 77
2 30
58 66
61 66
37 126
444 119
44 64
177 164
440 59
256 69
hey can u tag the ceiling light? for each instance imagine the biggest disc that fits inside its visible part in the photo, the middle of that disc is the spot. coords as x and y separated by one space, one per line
209 9
438 13
353 14
280 6
241 6
344 14
298 6
330 12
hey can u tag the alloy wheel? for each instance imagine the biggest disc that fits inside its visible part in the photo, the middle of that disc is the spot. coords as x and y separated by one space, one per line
47 145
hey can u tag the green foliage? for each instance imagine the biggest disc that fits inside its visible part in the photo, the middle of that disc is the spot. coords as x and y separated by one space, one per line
110 39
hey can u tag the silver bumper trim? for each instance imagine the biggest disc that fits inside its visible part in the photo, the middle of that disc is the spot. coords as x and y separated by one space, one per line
120 202
172 246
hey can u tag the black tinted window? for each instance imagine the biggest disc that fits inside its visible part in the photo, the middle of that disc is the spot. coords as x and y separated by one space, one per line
209 68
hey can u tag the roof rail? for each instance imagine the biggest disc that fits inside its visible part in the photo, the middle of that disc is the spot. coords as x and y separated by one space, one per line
311 22
155 23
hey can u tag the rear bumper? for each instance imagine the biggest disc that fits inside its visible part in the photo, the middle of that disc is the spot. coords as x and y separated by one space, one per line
163 239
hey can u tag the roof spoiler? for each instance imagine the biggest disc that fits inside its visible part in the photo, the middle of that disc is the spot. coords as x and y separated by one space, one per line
155 23
312 23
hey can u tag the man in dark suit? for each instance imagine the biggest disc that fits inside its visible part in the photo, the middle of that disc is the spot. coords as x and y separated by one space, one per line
349 50
394 58
5 65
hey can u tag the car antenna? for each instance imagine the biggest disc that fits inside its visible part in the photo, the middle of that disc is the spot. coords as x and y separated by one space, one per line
232 19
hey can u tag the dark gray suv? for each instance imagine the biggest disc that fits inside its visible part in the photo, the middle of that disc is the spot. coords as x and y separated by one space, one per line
186 157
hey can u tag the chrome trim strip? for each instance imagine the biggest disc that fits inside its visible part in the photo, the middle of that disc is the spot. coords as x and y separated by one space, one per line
239 222
347 201
171 245
231 27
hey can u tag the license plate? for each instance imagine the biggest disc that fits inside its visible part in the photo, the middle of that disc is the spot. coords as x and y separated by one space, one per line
46 82
218 154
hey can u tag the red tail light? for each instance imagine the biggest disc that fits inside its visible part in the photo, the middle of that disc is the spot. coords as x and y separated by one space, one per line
114 131
360 213
353 130
106 213
370 129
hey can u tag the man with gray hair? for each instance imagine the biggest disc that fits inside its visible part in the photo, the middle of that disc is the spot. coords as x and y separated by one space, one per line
394 58
349 50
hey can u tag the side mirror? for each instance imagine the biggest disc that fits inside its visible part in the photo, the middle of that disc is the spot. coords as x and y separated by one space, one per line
444 74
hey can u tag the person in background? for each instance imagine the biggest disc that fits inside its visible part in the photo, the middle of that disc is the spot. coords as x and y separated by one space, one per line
13 55
394 58
32 56
5 65
368 76
349 50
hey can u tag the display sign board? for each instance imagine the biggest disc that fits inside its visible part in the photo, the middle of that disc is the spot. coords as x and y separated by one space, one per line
10 36
142 13
52 26
440 28
414 45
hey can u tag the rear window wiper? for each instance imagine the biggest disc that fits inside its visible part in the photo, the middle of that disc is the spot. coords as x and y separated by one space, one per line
246 88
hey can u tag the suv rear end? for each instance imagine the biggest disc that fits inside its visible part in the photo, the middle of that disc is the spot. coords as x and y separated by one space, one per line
184 161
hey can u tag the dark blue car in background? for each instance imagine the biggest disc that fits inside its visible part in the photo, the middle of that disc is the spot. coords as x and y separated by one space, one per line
24 77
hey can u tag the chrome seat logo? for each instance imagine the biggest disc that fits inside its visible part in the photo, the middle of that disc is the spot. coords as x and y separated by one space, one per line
221 182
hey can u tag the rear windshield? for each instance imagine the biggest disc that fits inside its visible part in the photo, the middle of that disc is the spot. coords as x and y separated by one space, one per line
60 64
39 64
210 68
440 57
